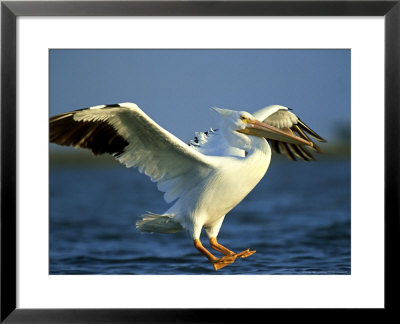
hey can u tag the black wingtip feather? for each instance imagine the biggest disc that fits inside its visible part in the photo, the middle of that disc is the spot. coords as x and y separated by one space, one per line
306 153
275 146
310 131
298 152
287 151
97 136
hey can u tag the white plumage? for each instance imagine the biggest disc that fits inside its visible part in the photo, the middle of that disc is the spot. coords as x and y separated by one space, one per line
203 180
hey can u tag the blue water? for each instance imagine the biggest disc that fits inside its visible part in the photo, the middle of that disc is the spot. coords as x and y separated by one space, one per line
297 219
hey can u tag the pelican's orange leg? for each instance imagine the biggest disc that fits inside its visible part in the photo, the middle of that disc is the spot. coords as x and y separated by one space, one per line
217 263
219 247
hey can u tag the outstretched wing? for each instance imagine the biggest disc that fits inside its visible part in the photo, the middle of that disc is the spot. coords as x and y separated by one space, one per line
134 139
280 117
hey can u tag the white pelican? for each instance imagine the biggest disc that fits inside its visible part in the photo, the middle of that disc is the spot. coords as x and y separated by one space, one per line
204 179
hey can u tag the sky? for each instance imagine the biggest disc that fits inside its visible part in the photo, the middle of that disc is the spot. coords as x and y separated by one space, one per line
176 88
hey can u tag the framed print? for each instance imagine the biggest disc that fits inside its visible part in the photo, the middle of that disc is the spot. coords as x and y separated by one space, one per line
325 232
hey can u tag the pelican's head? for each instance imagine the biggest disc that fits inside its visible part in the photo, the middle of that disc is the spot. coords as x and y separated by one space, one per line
241 124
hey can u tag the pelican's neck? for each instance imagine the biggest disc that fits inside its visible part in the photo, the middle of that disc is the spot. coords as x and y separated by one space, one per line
237 144
258 145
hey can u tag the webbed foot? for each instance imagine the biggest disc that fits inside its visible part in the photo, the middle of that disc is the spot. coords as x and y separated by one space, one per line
223 262
245 254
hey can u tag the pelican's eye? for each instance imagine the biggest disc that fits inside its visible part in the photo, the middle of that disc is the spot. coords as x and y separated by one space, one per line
245 119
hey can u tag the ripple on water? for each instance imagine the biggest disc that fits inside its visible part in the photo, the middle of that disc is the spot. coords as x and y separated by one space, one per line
297 224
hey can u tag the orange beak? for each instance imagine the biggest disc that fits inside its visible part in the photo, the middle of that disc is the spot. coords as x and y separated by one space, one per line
257 128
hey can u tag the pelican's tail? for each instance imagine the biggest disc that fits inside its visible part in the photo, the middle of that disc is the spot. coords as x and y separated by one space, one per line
158 223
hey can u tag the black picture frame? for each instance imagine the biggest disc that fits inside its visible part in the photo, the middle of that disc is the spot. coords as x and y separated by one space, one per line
10 10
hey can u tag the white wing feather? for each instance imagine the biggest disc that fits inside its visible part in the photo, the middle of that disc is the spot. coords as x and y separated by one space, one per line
277 116
174 165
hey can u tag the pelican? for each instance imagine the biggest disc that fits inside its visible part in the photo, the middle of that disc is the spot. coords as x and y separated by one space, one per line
203 179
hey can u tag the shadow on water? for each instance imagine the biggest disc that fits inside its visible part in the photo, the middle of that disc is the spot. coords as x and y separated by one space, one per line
297 219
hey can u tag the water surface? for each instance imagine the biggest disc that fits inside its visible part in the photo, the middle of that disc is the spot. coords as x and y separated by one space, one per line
297 219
